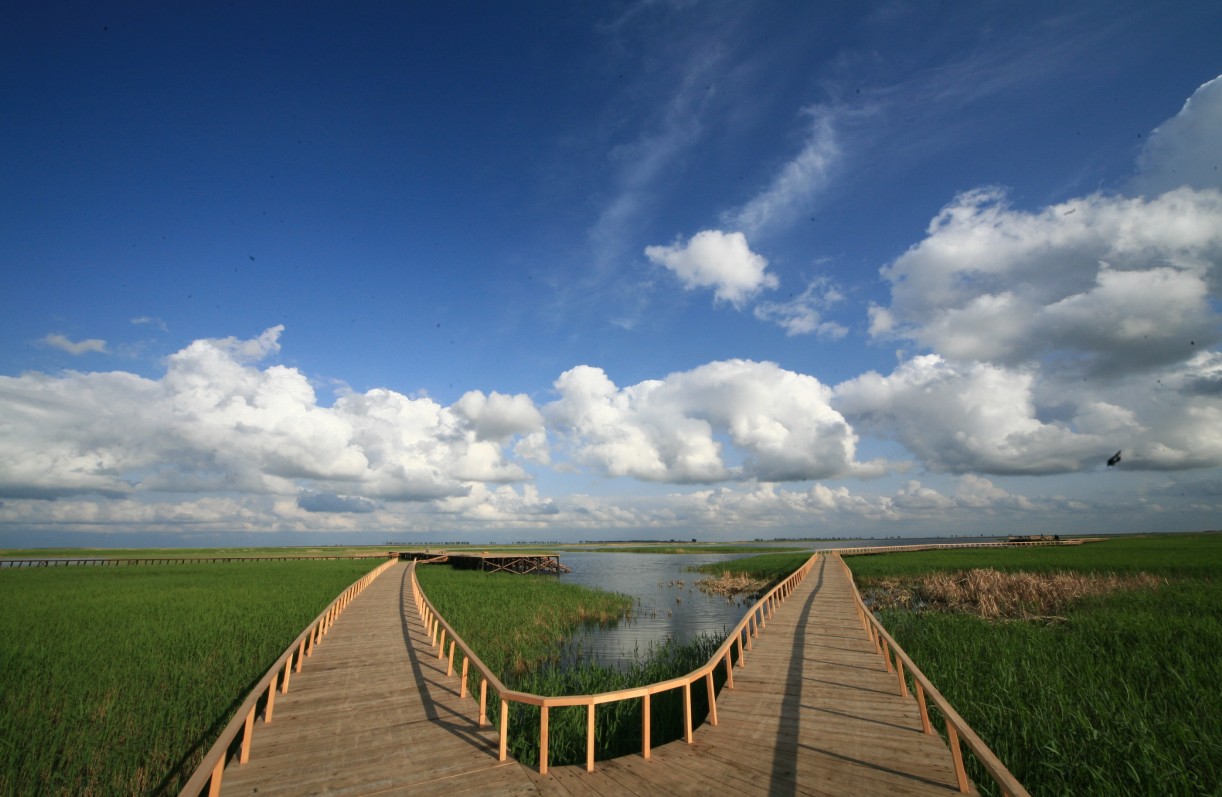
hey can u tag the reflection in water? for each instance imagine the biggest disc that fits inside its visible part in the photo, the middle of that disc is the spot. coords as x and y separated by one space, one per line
668 603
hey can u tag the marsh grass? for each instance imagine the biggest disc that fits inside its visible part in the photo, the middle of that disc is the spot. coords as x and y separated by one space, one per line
1119 696
117 680
752 575
685 549
732 584
518 626
992 594
517 623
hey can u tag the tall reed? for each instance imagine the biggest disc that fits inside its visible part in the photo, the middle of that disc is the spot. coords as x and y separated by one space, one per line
1118 695
117 680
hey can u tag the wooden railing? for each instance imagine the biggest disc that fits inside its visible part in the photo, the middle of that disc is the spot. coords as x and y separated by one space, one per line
957 730
263 696
98 561
737 641
941 546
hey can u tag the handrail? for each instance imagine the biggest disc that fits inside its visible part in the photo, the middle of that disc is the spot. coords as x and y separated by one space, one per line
105 561
752 623
940 546
956 727
208 773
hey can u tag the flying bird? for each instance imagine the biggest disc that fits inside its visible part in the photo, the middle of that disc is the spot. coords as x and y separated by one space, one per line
1114 459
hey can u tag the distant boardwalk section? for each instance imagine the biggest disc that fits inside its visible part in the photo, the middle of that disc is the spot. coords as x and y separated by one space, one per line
492 563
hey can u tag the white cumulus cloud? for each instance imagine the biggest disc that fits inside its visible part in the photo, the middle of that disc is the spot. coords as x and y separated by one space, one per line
1112 284
218 422
719 260
694 426
1186 150
1063 334
976 417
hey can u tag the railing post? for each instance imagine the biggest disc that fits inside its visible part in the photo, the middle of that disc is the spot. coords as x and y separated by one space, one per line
925 724
712 698
899 670
504 753
590 738
214 782
543 739
729 668
271 699
462 688
645 723
450 664
687 712
483 702
957 754
247 733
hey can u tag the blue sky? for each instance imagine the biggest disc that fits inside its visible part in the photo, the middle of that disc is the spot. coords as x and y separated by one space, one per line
573 271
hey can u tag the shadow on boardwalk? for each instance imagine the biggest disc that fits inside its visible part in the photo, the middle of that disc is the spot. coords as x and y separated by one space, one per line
814 712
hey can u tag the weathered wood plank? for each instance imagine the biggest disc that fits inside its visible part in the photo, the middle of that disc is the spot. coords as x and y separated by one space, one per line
814 712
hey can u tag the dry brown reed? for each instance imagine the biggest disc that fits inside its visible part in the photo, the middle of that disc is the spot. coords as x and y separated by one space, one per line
730 584
993 594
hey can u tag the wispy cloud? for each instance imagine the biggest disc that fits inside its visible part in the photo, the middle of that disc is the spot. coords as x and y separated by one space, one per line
643 161
150 321
803 314
798 181
64 343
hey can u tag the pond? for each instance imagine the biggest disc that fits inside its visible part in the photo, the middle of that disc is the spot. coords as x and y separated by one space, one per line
668 603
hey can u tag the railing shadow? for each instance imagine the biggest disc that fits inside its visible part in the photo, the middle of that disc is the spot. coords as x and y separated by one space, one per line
425 679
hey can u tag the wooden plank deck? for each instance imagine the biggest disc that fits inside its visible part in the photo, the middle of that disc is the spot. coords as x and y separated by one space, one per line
814 712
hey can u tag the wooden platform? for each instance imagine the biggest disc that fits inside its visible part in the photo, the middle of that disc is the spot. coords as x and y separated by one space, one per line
540 564
813 712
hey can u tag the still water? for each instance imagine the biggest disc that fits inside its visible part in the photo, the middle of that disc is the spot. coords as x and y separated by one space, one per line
669 605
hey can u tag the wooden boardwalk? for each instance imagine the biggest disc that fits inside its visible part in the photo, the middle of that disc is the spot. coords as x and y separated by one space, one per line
814 712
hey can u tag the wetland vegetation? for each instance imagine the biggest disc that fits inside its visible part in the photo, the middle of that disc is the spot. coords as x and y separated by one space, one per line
1088 669
751 576
1104 685
522 640
118 680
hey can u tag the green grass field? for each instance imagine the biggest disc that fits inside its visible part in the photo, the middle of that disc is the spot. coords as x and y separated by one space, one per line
770 567
1118 696
191 553
118 680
